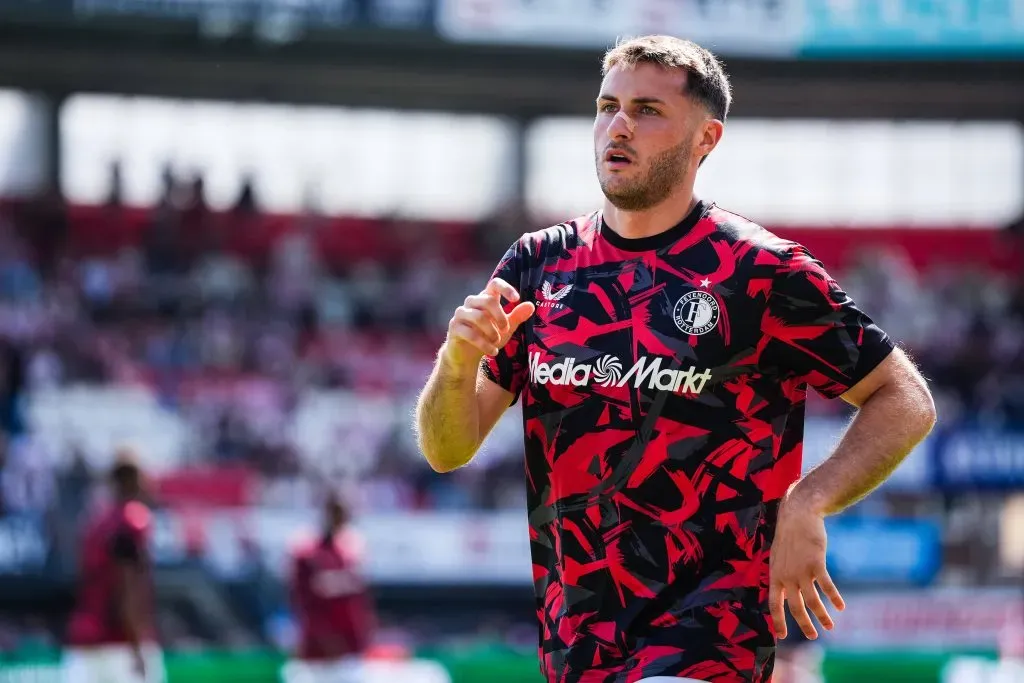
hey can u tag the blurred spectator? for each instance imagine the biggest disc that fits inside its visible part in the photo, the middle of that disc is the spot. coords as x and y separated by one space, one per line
115 199
74 484
12 388
246 203
44 222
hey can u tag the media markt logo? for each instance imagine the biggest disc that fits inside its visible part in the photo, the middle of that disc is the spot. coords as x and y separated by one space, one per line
606 371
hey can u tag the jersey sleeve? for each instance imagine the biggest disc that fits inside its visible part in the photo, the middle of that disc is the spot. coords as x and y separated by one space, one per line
814 331
129 541
508 368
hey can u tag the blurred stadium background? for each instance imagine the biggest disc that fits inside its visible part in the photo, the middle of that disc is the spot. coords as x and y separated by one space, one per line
232 232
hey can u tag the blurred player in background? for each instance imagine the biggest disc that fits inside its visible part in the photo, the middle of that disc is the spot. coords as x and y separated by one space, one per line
663 347
111 635
332 603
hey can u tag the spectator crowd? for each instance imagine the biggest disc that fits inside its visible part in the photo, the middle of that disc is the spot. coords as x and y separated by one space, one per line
233 319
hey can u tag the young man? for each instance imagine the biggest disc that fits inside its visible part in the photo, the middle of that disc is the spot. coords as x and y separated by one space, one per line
332 603
663 348
111 636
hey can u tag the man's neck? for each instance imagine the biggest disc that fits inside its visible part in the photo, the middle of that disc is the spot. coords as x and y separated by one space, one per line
653 221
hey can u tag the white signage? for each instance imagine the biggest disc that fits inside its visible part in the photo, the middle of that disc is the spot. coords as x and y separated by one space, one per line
934 619
727 26
400 547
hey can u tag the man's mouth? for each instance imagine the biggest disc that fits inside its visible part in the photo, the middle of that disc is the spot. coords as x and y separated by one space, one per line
617 158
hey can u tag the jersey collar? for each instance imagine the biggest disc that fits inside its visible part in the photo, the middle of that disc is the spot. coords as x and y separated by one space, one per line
654 242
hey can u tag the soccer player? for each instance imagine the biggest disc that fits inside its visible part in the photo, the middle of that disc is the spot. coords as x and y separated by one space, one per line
111 635
663 347
332 603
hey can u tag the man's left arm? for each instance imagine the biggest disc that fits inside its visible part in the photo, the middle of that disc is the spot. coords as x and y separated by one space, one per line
895 413
818 336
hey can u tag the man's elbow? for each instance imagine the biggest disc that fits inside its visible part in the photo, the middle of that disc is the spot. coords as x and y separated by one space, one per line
442 461
442 466
921 407
931 415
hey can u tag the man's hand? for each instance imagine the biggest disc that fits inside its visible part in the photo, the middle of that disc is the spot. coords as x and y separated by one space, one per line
480 327
797 562
459 407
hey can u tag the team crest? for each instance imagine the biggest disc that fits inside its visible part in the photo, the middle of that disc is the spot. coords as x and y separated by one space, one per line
696 313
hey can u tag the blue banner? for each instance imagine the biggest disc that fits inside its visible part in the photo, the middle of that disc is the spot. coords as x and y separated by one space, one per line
884 551
951 459
967 459
938 28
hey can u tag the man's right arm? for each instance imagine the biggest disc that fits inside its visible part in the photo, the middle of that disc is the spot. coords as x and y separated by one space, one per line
460 405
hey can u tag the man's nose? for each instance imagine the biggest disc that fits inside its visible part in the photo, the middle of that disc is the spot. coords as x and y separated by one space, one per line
621 126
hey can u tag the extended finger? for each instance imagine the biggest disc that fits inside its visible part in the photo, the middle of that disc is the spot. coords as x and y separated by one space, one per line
482 321
499 287
817 607
799 611
776 601
492 307
830 590
465 332
520 314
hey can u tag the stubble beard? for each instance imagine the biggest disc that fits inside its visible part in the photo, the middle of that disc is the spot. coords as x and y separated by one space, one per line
663 175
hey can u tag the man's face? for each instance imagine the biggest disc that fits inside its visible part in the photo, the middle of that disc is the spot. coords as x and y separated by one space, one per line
643 134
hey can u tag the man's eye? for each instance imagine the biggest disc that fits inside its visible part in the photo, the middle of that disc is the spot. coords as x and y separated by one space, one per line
649 110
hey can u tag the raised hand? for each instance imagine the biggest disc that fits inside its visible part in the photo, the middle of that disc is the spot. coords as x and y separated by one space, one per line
481 327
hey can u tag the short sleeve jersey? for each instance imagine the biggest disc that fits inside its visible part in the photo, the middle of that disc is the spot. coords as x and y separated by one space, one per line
663 382
115 537
331 598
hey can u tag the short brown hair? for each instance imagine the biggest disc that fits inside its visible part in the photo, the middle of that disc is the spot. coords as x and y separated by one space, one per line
706 81
125 471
